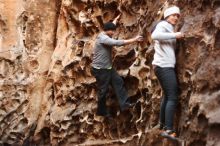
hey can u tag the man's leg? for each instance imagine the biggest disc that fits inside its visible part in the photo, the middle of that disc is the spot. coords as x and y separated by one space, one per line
103 77
120 91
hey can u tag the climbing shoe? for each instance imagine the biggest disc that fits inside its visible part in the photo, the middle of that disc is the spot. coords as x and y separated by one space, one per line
104 114
127 106
169 134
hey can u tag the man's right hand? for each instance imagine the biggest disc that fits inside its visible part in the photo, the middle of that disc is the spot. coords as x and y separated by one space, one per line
139 38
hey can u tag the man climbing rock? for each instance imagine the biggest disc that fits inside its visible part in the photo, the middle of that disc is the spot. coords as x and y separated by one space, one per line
103 70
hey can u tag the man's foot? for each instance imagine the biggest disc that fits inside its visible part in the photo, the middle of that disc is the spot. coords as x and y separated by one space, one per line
127 106
169 134
106 114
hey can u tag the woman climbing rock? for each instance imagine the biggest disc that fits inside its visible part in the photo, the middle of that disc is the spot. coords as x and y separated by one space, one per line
164 66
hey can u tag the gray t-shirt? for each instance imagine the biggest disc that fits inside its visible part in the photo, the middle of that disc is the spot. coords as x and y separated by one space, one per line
102 53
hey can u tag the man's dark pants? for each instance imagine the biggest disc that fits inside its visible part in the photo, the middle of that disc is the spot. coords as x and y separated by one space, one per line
168 81
104 78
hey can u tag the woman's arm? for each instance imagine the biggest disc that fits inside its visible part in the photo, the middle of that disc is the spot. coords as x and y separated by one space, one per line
160 34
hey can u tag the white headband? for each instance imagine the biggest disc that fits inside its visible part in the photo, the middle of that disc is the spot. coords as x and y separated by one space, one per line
171 10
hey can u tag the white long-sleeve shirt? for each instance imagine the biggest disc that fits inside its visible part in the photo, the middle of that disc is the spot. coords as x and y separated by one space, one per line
164 44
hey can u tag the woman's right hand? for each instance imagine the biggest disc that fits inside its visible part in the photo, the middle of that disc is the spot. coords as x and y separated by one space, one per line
179 35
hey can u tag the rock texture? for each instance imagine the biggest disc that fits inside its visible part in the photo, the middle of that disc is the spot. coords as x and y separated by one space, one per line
47 93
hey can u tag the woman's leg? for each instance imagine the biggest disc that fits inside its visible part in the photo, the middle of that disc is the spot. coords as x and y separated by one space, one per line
172 98
162 112
168 81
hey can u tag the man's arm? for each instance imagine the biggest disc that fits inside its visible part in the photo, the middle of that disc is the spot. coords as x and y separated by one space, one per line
115 21
113 42
132 40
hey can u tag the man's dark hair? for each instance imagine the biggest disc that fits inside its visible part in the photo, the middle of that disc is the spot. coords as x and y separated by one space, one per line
109 26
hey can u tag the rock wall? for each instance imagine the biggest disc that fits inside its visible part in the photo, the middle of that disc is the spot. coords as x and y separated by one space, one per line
48 95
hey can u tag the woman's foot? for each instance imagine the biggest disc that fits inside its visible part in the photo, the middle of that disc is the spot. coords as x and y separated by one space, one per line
159 126
170 134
